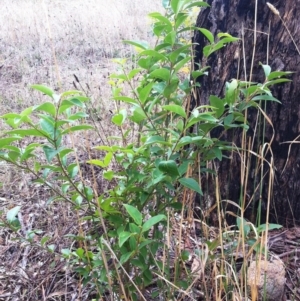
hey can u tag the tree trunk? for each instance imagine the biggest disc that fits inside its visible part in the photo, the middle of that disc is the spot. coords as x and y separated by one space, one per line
274 47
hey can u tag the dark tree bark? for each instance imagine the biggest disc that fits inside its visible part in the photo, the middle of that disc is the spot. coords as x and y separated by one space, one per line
275 47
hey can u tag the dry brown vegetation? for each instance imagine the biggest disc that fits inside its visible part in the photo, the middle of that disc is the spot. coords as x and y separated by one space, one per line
49 41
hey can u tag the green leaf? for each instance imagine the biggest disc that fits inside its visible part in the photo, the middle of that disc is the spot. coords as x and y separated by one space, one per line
134 213
161 18
181 63
175 109
138 44
126 99
138 115
80 252
47 107
161 73
77 116
155 54
73 170
177 5
44 240
144 92
231 92
184 141
174 55
191 184
265 97
108 175
198 4
48 127
202 117
181 17
207 34
104 163
107 159
28 132
170 38
133 73
8 141
277 74
12 213
153 221
263 227
218 103
78 128
169 167
276 81
171 88
44 90
117 119
125 257
50 152
267 69
157 139
243 226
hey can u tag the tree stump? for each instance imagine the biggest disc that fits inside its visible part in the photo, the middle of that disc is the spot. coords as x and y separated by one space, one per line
275 47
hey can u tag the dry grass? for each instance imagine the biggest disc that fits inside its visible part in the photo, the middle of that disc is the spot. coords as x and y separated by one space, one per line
49 41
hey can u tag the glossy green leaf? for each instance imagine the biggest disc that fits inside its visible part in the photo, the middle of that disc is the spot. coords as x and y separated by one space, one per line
265 97
133 73
169 167
171 88
207 34
231 92
161 73
138 44
175 54
276 74
197 4
134 213
7 141
181 17
48 127
263 227
138 115
170 38
153 221
78 128
161 18
218 103
125 257
44 90
175 109
117 119
155 54
157 139
267 69
108 175
126 99
177 5
28 132
50 152
144 92
47 107
191 184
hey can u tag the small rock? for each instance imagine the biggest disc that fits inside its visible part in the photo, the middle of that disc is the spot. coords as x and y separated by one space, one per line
267 278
